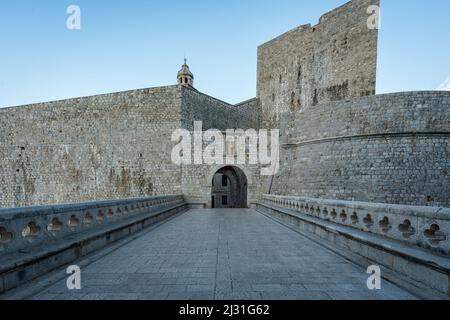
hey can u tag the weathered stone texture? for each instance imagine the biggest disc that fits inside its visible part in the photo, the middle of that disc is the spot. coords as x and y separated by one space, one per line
196 182
422 111
331 61
338 145
102 147
216 114
390 148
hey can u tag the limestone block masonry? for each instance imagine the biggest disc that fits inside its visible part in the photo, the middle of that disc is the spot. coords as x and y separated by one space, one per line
332 61
392 148
104 147
367 173
411 242
337 145
109 146
37 240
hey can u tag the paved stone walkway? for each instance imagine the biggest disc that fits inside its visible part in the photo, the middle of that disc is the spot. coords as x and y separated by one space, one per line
222 254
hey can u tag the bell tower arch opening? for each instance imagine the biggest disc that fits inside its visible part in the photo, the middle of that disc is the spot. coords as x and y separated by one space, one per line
229 188
185 76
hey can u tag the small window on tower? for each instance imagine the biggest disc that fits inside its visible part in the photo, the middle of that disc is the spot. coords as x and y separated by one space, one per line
224 181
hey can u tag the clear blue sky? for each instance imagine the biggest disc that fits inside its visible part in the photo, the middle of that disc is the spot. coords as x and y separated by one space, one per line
137 44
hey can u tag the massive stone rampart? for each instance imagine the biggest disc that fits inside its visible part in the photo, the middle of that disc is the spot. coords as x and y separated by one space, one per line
109 146
392 148
331 61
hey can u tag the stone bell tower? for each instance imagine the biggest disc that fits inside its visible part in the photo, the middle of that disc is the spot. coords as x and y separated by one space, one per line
185 76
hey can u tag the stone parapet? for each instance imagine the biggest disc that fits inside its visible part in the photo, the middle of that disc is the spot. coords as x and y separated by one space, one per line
36 240
409 244
423 227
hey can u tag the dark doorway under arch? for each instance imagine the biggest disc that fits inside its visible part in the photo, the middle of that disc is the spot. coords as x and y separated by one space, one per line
229 188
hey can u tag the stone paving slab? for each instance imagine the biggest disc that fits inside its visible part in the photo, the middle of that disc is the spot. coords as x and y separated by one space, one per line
222 254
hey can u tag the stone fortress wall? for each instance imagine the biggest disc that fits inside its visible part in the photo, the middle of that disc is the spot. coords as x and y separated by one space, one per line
340 140
367 174
392 148
105 147
332 61
93 148
216 114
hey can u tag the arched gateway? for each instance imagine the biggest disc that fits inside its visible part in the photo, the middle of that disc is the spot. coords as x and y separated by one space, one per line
229 188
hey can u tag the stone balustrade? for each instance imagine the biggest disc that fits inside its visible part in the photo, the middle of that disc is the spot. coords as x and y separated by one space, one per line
425 227
37 240
21 229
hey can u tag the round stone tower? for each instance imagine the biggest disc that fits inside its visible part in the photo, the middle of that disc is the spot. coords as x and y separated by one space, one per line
185 76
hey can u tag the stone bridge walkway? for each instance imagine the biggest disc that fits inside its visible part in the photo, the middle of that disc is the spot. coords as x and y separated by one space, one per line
219 254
